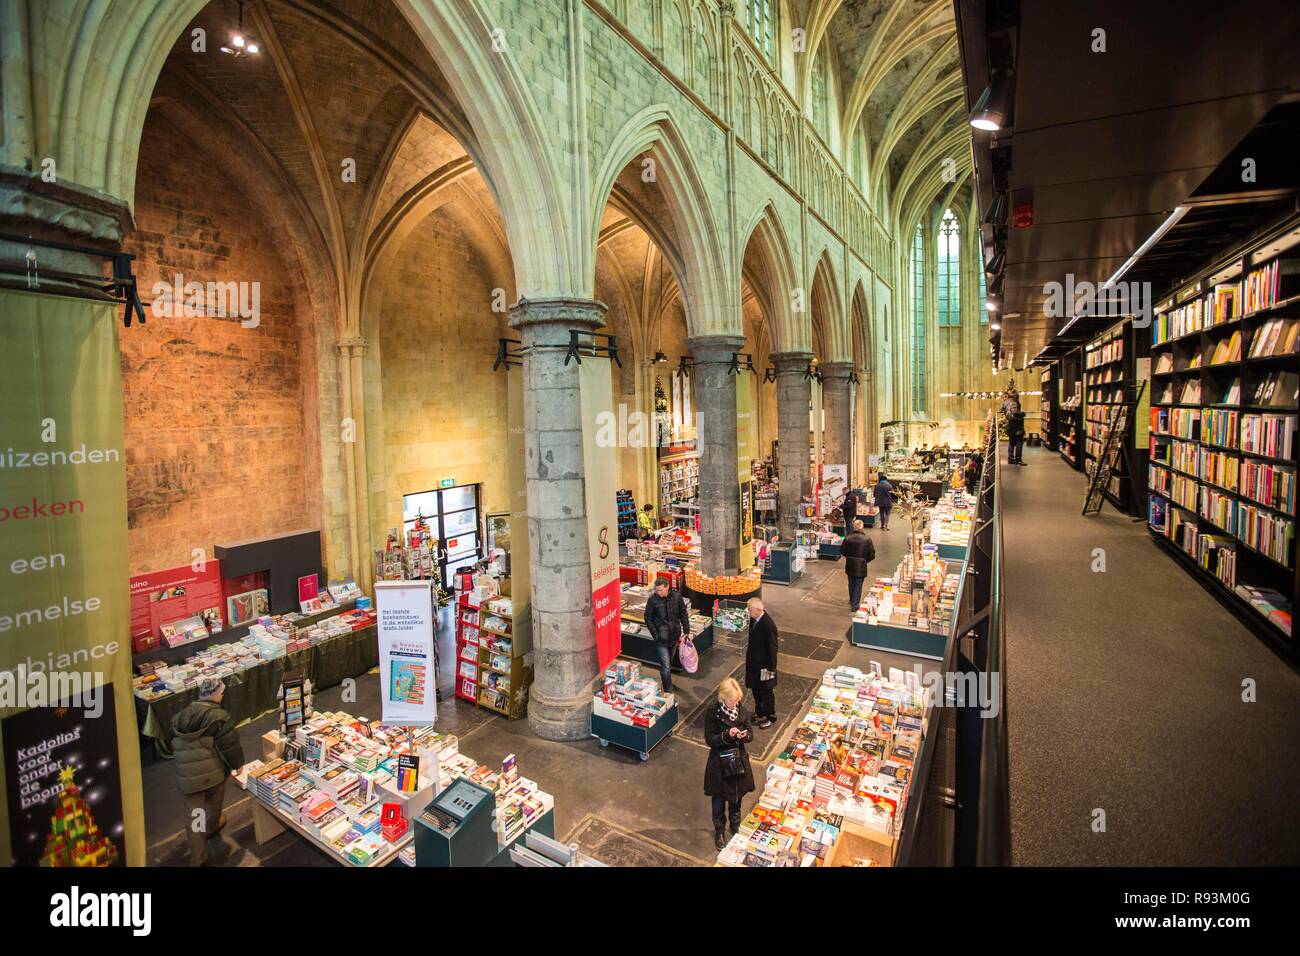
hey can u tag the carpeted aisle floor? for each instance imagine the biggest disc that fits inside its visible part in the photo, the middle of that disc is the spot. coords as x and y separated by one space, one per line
1125 696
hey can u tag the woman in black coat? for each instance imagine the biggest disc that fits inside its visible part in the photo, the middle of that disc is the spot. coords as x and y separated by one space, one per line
725 730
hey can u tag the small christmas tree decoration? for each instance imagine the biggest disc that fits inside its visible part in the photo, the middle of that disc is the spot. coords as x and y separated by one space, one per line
74 838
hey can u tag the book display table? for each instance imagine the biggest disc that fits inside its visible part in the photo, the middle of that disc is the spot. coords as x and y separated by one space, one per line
252 692
269 823
637 642
912 612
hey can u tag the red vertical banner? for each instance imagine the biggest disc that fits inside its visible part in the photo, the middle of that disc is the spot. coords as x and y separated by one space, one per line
599 445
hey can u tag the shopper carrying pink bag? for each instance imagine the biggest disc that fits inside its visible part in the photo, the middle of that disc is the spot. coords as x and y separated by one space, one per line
688 655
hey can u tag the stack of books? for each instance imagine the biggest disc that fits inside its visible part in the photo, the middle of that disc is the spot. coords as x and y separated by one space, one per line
630 697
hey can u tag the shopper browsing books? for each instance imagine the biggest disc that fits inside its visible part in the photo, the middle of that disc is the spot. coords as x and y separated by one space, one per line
669 620
727 774
858 551
645 521
207 750
849 509
884 495
760 663
972 473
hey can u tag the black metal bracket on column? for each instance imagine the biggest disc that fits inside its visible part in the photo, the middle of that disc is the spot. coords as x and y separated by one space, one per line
742 362
505 354
120 288
853 377
684 367
769 374
811 373
591 344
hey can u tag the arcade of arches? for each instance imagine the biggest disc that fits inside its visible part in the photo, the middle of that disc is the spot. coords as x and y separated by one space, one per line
409 183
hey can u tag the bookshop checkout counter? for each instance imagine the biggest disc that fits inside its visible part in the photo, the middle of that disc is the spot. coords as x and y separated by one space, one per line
458 828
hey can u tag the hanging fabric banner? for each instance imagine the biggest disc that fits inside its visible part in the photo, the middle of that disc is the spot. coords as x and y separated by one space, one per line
600 482
71 767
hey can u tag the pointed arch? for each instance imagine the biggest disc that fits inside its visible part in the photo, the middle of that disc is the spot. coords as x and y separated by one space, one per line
767 237
826 309
704 272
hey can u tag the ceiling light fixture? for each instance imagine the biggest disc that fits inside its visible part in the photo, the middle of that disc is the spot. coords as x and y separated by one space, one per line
997 211
990 112
239 44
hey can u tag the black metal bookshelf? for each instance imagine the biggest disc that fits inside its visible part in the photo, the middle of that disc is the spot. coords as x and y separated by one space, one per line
1223 431
1112 362
1068 417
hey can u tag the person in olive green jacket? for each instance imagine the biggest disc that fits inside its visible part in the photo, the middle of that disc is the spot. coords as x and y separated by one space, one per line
206 748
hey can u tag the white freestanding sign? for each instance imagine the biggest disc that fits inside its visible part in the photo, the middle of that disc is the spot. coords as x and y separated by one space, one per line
406 667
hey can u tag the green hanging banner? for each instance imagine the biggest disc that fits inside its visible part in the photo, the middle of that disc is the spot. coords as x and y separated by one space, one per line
71 765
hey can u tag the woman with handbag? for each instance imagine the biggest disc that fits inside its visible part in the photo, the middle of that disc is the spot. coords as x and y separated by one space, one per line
727 775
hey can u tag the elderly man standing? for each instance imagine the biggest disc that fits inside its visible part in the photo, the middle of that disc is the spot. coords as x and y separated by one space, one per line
206 748
760 663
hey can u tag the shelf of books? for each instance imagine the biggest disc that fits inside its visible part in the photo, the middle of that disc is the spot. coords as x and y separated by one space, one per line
504 660
1223 442
1111 363
1069 408
1046 405
467 646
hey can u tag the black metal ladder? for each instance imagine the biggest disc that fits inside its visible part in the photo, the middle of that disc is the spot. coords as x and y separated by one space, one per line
1116 441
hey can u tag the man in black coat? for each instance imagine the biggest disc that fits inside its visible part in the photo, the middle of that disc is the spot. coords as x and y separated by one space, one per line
760 663
858 551
850 510
669 621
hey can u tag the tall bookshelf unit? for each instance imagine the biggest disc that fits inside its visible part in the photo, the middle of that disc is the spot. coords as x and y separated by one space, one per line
1223 443
1112 364
1069 408
1047 407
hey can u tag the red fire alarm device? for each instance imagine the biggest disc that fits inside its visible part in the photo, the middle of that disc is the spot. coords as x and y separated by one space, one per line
1022 214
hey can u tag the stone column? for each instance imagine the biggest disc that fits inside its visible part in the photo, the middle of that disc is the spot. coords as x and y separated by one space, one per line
792 392
715 402
563 627
836 440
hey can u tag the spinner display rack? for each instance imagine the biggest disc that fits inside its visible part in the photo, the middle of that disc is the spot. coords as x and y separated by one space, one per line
1223 445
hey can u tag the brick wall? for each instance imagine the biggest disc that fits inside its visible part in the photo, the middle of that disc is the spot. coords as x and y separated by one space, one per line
214 412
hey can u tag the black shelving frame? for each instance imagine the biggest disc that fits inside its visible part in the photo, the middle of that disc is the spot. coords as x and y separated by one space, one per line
1253 567
1107 382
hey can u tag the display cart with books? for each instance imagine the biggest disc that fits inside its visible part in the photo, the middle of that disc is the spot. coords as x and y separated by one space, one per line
632 710
467 646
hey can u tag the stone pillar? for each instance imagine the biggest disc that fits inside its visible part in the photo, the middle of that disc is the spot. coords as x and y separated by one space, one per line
792 392
715 401
836 440
563 627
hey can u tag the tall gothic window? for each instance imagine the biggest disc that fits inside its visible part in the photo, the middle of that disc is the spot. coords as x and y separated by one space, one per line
917 291
759 18
819 109
984 312
949 283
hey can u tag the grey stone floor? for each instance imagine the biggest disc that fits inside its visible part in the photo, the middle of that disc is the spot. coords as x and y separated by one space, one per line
1124 695
620 809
